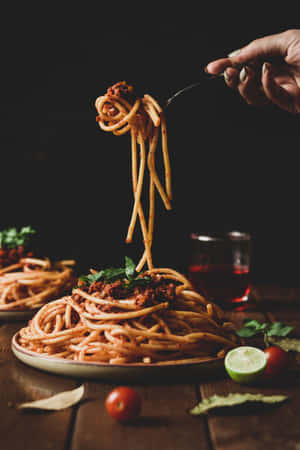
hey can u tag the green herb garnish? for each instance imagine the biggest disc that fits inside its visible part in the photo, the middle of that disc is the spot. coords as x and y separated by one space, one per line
253 328
11 237
127 275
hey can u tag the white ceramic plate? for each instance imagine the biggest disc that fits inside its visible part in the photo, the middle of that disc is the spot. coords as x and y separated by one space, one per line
145 373
17 314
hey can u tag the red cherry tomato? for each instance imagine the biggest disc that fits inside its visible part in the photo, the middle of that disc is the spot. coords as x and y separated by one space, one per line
277 361
123 404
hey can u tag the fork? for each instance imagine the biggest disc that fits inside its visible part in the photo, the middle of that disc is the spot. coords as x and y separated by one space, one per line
188 88
198 83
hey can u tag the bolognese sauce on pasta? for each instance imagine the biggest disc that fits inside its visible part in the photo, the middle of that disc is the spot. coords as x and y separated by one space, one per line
31 282
28 282
126 315
160 320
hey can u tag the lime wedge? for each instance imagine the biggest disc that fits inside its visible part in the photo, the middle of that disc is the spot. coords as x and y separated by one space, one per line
245 364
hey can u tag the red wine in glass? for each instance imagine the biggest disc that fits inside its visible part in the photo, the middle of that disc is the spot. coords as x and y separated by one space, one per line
224 284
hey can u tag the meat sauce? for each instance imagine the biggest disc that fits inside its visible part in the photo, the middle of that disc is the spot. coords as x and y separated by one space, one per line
10 256
159 290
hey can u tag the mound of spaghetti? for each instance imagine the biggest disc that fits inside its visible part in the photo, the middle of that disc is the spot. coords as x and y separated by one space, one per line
146 318
31 282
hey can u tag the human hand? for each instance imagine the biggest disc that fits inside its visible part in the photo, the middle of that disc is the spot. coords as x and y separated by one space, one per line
266 70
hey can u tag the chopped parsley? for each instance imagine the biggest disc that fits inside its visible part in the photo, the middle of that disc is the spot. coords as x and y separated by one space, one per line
11 237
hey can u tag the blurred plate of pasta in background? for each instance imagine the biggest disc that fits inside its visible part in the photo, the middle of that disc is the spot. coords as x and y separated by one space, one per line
17 315
27 282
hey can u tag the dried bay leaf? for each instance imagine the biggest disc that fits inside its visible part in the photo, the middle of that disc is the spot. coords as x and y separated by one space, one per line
233 399
57 402
287 344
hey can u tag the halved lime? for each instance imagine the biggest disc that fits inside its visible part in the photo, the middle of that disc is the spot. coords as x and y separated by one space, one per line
245 364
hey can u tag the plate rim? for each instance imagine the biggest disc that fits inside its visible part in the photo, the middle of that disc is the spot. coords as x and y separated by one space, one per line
159 365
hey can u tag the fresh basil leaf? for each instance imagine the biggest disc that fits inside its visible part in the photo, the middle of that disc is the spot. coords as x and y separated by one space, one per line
11 237
95 276
246 332
233 399
128 275
254 324
253 327
279 329
137 282
129 267
112 274
27 230
84 279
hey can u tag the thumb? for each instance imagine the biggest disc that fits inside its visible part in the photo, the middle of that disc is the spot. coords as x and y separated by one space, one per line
262 48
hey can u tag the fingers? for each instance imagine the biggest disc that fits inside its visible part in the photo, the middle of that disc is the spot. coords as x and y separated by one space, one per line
231 77
258 84
259 90
247 83
250 89
261 49
218 66
275 93
258 50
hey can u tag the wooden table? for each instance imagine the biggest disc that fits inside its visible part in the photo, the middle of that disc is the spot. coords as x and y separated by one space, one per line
164 423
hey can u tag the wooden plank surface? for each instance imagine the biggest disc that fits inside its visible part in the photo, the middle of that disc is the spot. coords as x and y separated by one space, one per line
281 304
259 428
19 383
164 422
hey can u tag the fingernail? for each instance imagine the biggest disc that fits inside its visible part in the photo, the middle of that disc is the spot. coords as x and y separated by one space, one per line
265 67
234 53
226 76
243 74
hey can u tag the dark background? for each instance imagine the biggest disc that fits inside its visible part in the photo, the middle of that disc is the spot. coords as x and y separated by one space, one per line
234 166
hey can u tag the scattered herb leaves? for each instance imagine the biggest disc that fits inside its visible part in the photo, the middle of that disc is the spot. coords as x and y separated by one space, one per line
11 237
127 274
279 329
253 327
233 399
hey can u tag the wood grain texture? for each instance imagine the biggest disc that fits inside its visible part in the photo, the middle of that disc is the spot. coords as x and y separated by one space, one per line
256 427
27 429
285 306
164 422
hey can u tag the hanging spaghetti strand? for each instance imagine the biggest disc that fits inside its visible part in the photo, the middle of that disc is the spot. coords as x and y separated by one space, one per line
120 111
